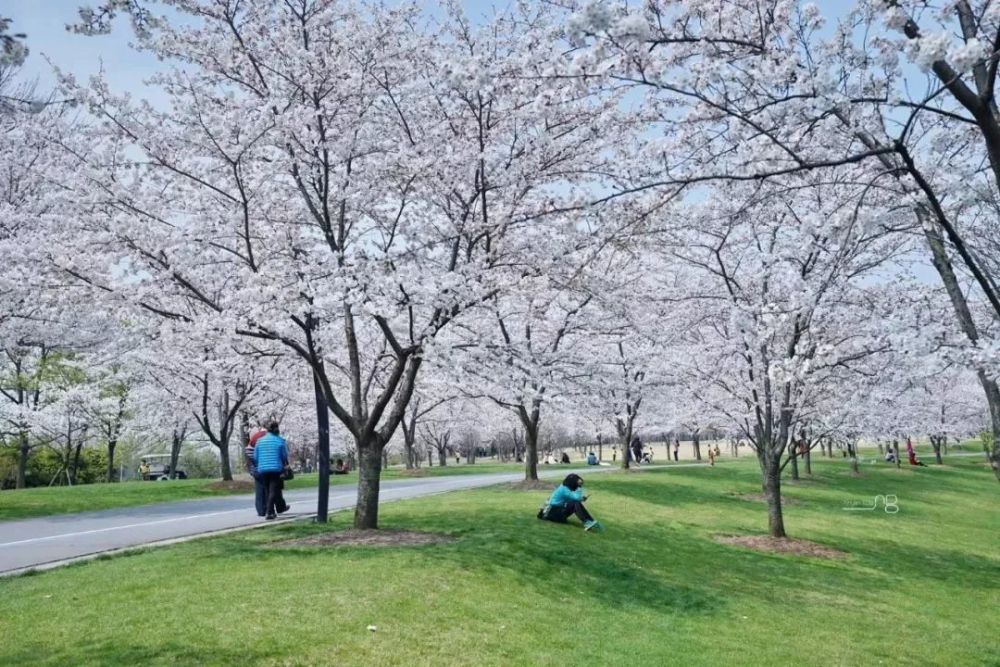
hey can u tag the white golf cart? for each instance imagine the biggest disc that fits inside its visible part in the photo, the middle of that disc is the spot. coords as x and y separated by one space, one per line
159 468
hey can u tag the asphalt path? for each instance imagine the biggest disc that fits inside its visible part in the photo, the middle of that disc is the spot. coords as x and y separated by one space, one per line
50 541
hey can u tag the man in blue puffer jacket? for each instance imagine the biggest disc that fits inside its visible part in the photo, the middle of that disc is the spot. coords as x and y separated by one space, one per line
271 457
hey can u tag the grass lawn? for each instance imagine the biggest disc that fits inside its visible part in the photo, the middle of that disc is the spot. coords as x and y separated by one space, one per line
26 503
920 587
43 501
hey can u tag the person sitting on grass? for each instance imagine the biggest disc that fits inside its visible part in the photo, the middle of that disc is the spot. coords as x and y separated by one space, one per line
592 459
567 500
890 457
339 468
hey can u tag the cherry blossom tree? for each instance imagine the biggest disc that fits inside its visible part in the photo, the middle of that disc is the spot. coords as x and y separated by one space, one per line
759 89
296 191
767 291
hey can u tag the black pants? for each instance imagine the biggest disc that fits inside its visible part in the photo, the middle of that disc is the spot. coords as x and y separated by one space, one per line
275 501
675 456
561 513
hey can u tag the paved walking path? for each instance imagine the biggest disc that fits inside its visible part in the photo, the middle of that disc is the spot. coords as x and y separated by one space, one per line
55 540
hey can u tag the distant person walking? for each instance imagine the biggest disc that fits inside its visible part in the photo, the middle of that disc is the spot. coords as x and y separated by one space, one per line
144 470
566 501
271 456
677 448
636 448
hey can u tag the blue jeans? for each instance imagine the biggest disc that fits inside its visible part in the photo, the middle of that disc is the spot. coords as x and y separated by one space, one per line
259 494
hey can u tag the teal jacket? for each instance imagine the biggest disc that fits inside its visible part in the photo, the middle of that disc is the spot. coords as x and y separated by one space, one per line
563 495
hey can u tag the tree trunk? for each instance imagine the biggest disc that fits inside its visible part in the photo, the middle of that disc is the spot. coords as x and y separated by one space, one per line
795 461
770 466
625 434
442 456
409 460
852 451
110 475
993 400
807 459
369 476
942 263
529 421
227 470
530 454
72 472
244 438
895 452
385 459
936 444
696 441
22 461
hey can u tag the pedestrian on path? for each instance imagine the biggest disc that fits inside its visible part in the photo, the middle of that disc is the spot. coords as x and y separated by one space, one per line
271 457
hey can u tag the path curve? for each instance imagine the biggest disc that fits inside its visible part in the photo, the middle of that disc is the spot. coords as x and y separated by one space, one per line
46 542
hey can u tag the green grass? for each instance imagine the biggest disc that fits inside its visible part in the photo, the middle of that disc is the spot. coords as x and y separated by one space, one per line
27 503
919 587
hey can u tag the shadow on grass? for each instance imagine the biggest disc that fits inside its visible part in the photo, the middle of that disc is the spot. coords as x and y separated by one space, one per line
556 560
156 652
894 561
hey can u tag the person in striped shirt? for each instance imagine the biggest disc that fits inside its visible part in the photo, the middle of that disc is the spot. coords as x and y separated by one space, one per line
260 491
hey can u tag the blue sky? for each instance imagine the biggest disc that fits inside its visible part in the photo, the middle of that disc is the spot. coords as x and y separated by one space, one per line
44 22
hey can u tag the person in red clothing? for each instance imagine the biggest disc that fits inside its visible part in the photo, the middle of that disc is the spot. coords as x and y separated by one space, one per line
260 433
912 454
